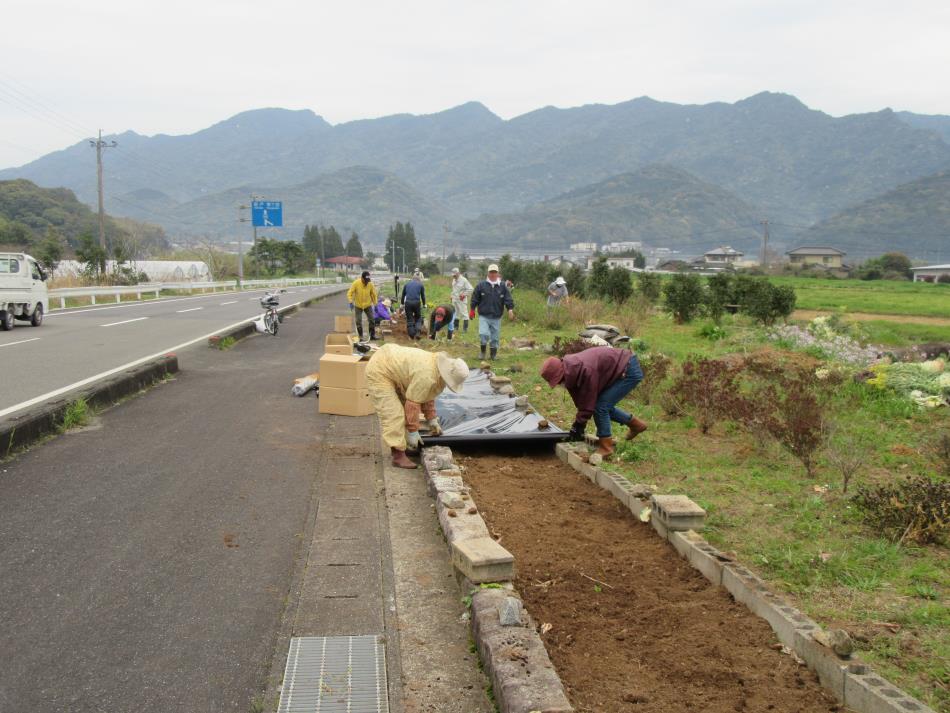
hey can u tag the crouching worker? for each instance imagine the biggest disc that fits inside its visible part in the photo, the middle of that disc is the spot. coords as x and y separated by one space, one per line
442 316
381 311
403 383
597 379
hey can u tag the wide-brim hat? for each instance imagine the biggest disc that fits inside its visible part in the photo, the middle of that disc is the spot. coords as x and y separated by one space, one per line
454 372
560 281
456 271
552 371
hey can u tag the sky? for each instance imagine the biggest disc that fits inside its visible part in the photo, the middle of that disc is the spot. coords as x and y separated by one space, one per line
68 69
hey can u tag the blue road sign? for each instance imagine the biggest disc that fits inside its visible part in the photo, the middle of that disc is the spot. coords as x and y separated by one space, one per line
267 214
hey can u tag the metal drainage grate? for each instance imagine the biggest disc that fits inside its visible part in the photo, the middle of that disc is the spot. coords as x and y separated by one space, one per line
335 674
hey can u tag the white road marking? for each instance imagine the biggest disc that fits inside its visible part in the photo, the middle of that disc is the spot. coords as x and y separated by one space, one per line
22 341
83 382
188 310
232 302
124 321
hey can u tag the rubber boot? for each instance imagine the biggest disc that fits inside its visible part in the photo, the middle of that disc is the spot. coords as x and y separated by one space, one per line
450 336
482 351
494 353
465 325
636 427
605 446
456 325
401 460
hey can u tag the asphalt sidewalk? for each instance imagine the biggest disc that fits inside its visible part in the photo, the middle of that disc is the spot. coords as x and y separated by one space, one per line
160 559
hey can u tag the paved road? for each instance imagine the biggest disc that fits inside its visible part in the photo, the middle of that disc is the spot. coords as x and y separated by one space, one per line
145 564
78 344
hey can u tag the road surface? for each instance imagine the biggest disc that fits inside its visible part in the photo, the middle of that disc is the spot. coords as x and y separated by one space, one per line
79 344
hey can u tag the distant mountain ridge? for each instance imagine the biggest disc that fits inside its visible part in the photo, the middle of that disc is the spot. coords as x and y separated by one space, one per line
782 160
658 205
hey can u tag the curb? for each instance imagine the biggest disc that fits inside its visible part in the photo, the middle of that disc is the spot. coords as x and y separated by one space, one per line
676 519
29 426
512 653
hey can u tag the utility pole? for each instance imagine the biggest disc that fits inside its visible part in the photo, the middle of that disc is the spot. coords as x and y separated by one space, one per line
765 243
99 144
242 219
445 237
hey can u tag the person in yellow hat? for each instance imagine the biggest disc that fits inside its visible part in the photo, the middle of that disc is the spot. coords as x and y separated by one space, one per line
403 383
363 297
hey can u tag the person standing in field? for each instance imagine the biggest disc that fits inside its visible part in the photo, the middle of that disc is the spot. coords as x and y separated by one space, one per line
362 296
557 291
413 300
490 299
461 291
597 379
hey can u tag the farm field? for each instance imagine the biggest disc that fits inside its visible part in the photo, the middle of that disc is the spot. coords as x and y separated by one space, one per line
803 533
871 297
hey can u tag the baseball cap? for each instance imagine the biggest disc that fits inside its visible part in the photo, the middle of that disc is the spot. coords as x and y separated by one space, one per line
493 268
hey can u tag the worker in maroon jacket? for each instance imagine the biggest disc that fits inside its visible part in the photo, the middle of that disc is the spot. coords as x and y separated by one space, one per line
597 379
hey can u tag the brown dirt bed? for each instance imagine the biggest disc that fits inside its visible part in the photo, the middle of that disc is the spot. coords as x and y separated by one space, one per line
659 637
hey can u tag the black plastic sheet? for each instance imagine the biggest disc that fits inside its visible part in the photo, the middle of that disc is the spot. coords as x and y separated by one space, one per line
480 414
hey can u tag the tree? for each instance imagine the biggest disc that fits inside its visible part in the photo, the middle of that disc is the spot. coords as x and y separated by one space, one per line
353 246
15 233
683 296
401 247
718 295
576 281
618 287
332 243
597 280
91 255
650 285
51 249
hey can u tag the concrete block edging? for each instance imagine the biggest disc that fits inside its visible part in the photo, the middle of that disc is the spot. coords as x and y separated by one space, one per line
852 682
514 657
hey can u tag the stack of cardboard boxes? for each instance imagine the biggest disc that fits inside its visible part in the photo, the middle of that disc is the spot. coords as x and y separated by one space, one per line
343 389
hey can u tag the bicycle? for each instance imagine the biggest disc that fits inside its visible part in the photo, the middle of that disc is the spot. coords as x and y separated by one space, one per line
271 318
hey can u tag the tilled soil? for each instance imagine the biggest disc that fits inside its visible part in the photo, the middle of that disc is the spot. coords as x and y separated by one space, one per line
651 634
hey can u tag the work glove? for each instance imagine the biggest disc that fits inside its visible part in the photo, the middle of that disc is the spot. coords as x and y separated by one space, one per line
577 431
414 440
471 314
351 305
434 428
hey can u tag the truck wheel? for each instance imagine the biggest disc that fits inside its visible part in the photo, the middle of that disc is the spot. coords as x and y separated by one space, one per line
37 319
6 320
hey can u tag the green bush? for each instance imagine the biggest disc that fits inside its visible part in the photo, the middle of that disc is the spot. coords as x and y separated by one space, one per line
683 296
618 287
650 285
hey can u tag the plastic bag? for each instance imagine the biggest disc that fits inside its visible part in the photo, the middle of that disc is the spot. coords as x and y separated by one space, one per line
305 384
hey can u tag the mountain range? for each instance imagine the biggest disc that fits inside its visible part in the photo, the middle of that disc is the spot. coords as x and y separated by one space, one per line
681 173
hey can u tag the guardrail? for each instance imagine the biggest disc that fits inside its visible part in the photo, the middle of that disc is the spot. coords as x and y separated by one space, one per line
156 288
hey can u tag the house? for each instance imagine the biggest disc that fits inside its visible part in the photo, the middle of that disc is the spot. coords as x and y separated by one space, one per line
344 262
722 256
931 273
830 258
622 246
627 262
584 247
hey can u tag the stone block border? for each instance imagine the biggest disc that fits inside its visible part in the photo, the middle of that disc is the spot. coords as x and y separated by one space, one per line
513 654
677 519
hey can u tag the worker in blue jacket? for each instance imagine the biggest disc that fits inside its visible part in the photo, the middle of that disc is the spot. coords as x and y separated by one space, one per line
490 300
413 299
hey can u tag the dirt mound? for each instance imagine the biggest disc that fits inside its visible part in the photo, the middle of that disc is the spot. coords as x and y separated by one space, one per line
650 634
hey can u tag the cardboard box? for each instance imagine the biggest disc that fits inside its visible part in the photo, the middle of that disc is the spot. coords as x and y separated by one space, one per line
337 343
342 371
345 402
343 323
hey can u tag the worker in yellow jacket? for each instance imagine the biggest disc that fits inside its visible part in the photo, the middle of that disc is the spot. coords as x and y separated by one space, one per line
403 382
363 297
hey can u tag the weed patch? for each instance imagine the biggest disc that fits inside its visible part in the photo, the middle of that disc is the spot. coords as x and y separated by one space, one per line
76 415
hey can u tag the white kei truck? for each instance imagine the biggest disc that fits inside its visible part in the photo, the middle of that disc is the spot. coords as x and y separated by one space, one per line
23 294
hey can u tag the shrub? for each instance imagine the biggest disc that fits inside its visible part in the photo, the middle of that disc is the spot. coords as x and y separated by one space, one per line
618 287
650 285
719 293
766 303
712 332
915 510
656 367
944 279
563 347
703 387
576 281
598 278
796 420
683 296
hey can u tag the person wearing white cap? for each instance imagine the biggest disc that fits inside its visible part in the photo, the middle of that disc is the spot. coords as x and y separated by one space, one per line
490 300
403 383
557 291
461 289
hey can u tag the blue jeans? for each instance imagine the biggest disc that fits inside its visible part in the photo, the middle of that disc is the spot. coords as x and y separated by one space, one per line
606 409
489 328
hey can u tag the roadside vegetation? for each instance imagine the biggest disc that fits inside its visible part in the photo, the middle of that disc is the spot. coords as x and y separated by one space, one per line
828 475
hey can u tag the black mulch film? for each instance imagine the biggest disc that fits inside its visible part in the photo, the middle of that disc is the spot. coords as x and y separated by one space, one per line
479 414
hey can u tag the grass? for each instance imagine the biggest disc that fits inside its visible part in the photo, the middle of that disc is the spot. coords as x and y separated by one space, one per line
77 414
225 343
802 535
871 296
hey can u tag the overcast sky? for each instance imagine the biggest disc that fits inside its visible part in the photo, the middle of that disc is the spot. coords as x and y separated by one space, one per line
176 66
